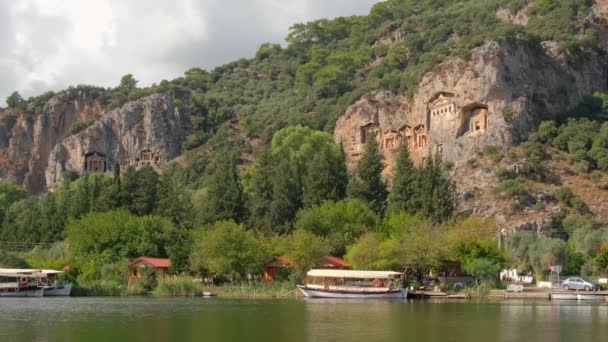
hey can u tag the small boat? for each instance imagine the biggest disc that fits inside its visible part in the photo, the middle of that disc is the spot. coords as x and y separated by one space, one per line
589 297
563 296
15 285
353 284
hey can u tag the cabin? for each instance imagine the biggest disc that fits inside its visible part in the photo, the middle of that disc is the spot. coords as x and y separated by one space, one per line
274 267
160 266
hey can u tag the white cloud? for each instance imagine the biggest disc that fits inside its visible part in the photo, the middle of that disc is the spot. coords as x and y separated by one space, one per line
50 44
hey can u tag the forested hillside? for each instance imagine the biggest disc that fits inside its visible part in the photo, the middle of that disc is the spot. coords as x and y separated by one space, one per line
261 173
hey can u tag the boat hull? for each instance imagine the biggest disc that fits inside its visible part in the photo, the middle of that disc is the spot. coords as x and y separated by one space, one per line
589 297
563 296
23 293
59 291
334 293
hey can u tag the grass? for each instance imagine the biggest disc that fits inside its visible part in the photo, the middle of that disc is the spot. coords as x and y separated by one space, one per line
106 288
181 286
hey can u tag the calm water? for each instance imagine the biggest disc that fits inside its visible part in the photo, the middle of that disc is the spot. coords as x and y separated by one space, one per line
142 319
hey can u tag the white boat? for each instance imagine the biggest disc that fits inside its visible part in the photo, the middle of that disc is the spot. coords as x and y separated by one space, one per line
353 284
563 296
589 297
45 279
14 285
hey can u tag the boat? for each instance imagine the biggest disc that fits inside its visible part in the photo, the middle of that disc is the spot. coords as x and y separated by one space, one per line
353 284
563 296
45 279
15 285
589 297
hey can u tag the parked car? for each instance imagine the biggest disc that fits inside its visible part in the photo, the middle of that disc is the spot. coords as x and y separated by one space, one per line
578 283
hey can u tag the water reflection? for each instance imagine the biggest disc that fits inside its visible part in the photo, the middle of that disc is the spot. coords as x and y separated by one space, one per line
120 319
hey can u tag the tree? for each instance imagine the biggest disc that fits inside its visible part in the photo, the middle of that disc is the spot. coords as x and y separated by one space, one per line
482 268
403 192
14 100
145 191
368 184
173 200
327 177
305 250
364 254
227 247
286 197
225 199
99 239
435 197
128 83
341 223
260 192
421 249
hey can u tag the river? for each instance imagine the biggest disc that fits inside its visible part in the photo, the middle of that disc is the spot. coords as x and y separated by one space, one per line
197 319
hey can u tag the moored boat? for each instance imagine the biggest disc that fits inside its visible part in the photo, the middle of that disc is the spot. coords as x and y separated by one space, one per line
589 297
44 279
563 296
15 285
353 284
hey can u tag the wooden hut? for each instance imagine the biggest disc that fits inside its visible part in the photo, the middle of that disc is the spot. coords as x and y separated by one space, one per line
160 266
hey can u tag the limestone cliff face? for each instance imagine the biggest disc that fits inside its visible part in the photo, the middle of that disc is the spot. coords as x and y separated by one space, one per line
147 131
25 144
491 99
36 152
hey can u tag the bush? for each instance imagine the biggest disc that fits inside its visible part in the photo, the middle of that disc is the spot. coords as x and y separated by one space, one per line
80 126
504 174
566 196
512 188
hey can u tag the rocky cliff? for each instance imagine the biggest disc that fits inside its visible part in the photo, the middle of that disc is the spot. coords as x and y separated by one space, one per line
492 98
37 153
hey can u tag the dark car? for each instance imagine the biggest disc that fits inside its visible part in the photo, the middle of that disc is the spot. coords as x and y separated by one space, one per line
578 283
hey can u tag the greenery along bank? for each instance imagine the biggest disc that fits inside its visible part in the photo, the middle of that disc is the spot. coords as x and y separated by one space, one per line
287 202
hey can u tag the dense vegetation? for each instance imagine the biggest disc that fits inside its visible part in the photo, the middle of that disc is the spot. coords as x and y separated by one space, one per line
297 199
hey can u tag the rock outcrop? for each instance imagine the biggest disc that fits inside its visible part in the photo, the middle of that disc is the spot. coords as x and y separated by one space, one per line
36 152
493 98
147 131
25 144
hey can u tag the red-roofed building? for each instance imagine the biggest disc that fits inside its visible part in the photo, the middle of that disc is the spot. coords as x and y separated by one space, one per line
275 265
161 266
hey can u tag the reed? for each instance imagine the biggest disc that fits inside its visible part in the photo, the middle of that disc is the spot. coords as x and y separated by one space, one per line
105 288
182 286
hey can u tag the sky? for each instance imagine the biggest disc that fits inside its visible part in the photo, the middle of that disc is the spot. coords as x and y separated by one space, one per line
51 44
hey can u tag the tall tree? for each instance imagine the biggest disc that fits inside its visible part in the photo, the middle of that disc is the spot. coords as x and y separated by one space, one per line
286 197
260 192
146 190
435 198
327 178
225 199
368 184
403 191
14 100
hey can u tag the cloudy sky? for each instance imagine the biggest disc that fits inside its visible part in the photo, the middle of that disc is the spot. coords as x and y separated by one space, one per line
50 44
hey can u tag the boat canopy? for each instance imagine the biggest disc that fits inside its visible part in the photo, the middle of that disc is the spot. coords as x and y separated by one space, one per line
25 271
353 274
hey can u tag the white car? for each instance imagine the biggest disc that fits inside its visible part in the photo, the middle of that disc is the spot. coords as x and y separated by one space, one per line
578 283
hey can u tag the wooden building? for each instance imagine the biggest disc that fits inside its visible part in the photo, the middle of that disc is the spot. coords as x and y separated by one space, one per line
160 266
274 266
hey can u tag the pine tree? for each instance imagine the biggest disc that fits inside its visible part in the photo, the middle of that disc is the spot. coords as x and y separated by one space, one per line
116 191
403 192
261 193
368 184
435 191
172 200
326 178
286 197
225 199
143 199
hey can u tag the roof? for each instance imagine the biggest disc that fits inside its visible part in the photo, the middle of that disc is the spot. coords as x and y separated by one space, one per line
353 274
280 259
335 261
88 154
36 271
152 262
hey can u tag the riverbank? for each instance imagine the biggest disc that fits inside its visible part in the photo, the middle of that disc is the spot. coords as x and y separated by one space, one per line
185 287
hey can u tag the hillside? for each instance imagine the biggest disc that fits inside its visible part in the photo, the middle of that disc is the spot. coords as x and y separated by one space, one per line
446 77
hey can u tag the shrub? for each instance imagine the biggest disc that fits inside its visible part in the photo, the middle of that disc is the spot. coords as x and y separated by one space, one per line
512 187
80 126
504 174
